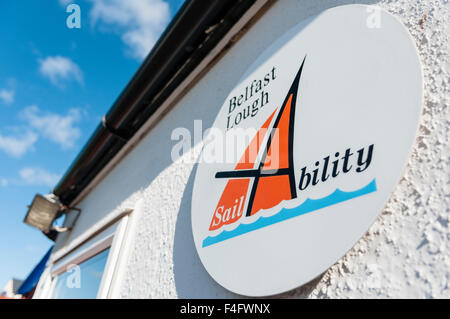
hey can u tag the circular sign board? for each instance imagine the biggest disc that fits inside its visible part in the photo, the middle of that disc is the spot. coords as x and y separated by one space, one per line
306 150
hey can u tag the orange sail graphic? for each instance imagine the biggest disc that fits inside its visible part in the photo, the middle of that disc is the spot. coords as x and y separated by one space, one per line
273 177
231 204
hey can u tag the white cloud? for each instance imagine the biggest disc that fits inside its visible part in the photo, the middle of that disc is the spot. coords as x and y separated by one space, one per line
17 145
7 96
57 128
140 22
60 70
38 176
3 182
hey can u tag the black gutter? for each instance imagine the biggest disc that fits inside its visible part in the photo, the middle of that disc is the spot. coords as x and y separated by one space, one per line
196 29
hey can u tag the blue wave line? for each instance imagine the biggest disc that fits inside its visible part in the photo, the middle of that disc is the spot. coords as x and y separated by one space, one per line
309 205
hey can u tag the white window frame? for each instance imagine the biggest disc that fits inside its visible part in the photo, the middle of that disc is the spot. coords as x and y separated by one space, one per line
99 238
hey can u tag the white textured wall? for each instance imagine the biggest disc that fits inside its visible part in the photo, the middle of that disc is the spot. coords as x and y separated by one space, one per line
406 253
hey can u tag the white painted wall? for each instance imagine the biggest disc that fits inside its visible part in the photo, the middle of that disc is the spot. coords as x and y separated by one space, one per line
406 253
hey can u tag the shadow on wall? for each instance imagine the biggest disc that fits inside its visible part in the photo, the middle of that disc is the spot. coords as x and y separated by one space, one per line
188 269
191 278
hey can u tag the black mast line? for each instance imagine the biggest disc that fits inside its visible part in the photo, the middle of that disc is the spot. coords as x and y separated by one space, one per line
292 91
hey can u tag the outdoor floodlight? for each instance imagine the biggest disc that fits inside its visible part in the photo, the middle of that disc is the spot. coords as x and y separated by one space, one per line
43 211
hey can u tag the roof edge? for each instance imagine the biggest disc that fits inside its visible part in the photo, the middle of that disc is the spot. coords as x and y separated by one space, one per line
189 38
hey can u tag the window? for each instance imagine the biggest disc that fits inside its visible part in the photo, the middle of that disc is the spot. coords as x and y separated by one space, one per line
82 281
88 265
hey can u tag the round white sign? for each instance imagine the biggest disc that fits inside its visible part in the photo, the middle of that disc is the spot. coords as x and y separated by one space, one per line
306 150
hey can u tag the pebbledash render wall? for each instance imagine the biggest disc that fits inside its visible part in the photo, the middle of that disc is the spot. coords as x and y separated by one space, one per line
406 252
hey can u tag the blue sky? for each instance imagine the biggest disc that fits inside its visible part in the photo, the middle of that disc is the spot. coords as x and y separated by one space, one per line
55 85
